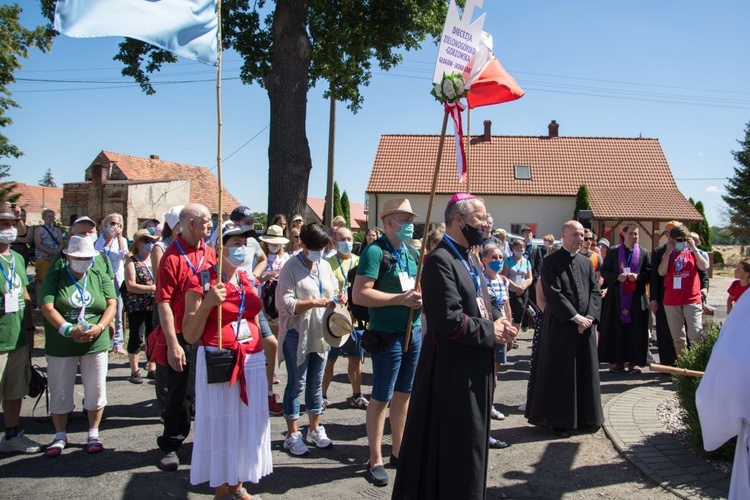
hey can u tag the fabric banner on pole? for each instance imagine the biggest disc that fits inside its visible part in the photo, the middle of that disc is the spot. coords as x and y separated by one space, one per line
188 28
489 83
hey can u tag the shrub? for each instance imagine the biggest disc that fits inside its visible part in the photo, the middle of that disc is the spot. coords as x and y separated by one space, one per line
718 257
696 358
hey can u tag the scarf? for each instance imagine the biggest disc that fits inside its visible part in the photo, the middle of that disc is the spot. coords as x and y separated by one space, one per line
627 288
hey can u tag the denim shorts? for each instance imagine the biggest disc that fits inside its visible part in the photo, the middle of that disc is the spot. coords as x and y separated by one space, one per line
393 369
351 348
265 328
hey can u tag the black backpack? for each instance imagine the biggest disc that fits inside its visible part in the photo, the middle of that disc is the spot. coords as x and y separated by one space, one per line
268 296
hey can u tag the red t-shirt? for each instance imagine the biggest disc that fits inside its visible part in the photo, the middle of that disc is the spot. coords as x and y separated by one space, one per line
175 273
690 285
736 290
229 313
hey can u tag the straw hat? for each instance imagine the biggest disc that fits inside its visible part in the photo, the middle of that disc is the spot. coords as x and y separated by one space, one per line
274 236
396 206
337 325
8 216
139 235
81 246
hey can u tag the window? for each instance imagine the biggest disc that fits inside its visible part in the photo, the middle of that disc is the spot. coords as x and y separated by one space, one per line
522 172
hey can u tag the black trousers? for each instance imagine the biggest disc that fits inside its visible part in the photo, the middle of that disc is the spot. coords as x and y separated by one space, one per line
180 396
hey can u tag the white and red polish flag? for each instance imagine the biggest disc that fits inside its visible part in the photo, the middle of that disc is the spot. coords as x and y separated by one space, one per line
489 83
454 110
188 28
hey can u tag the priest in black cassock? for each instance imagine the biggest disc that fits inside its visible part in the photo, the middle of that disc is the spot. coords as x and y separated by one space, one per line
623 330
566 385
444 449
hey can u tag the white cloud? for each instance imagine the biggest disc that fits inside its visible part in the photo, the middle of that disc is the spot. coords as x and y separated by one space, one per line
714 189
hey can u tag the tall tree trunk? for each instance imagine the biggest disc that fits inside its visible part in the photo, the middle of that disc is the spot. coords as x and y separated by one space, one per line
289 158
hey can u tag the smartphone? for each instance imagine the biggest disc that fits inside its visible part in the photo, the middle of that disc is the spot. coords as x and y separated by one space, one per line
12 205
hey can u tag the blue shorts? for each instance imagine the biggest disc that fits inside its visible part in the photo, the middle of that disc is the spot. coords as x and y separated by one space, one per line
265 328
393 369
351 348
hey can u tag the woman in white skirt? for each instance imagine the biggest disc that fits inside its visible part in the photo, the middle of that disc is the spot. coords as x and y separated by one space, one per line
232 442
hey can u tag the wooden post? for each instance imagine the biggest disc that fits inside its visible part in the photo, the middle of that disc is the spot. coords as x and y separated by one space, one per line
220 242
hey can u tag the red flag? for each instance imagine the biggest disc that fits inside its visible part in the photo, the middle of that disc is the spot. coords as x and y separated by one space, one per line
489 83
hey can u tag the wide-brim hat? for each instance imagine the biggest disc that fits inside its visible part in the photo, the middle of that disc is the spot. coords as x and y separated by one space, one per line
230 229
274 236
141 234
603 242
337 325
396 206
8 216
172 217
81 246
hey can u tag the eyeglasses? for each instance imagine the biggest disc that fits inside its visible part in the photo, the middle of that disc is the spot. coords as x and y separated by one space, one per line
680 240
114 223
586 238
480 217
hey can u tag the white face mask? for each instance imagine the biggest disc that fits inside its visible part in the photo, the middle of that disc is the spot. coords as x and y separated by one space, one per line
315 255
9 235
274 248
81 266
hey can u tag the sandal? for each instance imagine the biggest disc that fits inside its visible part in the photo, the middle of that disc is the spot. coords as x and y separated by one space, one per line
239 494
635 370
616 369
55 448
94 445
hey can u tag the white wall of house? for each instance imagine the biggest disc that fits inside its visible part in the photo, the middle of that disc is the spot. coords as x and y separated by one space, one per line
153 200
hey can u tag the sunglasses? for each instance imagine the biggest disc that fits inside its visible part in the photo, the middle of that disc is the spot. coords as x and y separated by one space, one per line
587 239
680 240
113 223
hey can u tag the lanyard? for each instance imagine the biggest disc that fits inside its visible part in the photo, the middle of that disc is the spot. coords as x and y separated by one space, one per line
316 279
345 274
81 292
192 267
241 291
397 256
108 250
147 268
9 277
679 263
499 295
627 259
474 275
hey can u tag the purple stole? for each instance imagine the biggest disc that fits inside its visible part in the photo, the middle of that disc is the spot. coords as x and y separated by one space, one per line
627 288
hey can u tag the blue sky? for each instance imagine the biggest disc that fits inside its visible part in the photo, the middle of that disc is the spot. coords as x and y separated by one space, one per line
677 71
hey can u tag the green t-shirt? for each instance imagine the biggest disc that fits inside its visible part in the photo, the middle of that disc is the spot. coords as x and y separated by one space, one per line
101 264
340 274
390 319
67 302
12 335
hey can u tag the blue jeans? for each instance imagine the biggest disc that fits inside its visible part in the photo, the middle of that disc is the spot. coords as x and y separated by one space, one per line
393 369
307 378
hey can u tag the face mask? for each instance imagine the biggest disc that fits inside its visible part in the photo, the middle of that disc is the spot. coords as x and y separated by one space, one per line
111 230
406 232
237 256
315 255
472 234
93 237
81 266
151 230
8 236
345 247
518 253
496 265
147 247
680 245
274 248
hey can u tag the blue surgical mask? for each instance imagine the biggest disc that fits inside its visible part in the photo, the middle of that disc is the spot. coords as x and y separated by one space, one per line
406 232
237 256
496 265
680 245
147 247
151 230
345 247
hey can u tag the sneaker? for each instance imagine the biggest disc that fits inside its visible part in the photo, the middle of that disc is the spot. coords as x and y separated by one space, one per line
326 403
170 461
293 444
274 408
359 402
19 443
135 378
522 407
497 444
318 437
377 475
496 415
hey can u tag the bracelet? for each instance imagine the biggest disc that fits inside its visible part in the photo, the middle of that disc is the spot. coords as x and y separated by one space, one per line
64 329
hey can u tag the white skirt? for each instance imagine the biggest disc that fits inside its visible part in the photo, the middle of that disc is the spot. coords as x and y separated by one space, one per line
232 440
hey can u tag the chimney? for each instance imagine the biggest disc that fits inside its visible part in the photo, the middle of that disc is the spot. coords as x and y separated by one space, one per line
154 157
487 130
98 174
553 128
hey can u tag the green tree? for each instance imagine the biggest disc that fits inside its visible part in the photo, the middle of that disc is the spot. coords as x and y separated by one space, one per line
337 210
346 209
702 228
738 190
722 236
290 46
47 180
582 200
7 187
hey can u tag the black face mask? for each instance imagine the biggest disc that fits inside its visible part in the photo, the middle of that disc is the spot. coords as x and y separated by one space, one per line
473 235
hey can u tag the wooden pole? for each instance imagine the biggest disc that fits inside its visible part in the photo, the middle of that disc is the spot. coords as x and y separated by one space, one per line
407 337
219 240
328 215
654 367
468 146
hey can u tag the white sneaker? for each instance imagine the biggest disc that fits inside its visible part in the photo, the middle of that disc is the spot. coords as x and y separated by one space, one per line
19 443
318 437
294 444
496 415
522 407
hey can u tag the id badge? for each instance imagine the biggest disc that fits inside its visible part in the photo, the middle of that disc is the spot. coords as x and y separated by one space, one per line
11 302
626 270
407 282
677 282
242 331
482 308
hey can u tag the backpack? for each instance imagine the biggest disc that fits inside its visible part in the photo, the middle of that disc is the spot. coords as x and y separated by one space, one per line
268 296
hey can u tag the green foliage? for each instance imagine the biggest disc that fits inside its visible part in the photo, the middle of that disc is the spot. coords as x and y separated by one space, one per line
718 258
701 227
15 41
582 201
7 187
346 209
696 358
359 236
737 197
47 180
722 236
337 210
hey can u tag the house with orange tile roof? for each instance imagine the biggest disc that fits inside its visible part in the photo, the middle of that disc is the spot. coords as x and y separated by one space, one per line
35 199
534 180
141 189
357 212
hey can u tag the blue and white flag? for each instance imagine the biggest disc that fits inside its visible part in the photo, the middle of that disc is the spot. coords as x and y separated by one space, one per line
188 28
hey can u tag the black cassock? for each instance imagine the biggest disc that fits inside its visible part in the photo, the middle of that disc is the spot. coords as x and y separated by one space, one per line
566 390
624 342
444 450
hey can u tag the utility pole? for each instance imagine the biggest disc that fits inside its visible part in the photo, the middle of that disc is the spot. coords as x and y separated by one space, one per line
328 215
